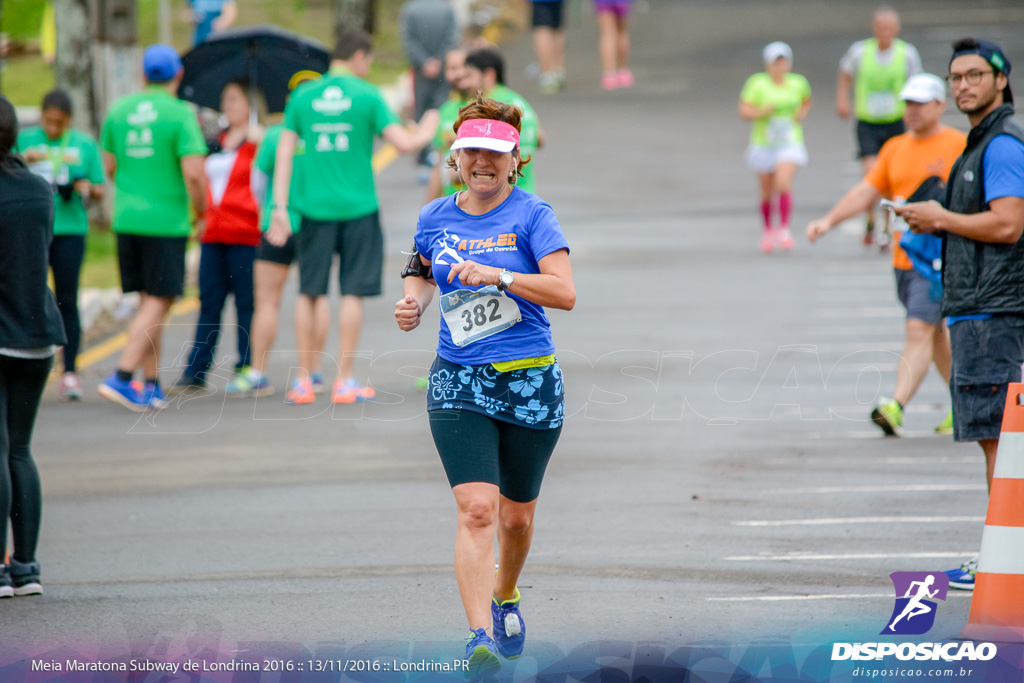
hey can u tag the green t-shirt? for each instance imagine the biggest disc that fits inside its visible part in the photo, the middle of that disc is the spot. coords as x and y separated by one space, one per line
529 133
266 160
75 156
338 117
149 133
449 114
781 127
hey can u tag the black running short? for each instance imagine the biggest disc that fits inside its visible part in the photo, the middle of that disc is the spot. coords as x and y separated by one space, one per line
547 13
477 448
871 136
283 255
359 243
152 265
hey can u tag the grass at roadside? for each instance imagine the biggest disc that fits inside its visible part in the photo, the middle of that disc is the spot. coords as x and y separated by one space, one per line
100 266
27 77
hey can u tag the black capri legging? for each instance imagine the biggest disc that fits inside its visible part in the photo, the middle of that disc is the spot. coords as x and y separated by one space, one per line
476 448
21 387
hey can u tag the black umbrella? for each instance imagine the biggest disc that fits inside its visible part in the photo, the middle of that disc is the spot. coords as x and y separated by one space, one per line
268 56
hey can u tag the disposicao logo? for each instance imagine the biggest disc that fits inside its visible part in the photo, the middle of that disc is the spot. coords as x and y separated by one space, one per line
912 615
914 612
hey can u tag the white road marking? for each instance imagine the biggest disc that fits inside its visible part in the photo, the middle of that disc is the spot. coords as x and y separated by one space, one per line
858 556
827 596
883 489
822 521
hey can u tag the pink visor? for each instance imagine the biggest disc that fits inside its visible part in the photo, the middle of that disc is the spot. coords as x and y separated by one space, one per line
497 136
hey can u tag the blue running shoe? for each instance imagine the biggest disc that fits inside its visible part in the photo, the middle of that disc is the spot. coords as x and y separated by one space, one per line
123 392
154 397
508 626
481 656
963 576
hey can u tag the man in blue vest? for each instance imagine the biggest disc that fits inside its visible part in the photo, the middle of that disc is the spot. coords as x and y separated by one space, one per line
877 69
983 253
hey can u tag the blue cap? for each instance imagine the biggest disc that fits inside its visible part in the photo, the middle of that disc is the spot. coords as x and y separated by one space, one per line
160 63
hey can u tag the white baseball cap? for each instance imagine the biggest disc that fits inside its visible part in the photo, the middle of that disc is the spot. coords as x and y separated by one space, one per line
924 88
773 51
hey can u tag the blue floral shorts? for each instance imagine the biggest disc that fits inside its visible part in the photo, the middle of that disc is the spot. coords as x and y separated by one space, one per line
532 397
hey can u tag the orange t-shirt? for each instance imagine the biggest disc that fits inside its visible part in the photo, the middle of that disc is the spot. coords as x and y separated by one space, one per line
905 162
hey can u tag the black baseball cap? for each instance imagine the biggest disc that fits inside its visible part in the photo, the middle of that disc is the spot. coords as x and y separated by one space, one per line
991 53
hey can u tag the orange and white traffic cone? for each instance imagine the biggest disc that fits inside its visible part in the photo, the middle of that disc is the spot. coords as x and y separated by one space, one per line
997 606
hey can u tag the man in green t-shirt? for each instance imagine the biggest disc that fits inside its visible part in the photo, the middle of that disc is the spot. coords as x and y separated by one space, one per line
485 72
70 161
154 151
338 117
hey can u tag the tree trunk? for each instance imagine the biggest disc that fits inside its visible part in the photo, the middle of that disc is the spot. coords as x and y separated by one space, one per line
117 55
74 61
350 14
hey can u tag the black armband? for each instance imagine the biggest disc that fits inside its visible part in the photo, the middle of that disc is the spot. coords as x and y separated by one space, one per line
414 266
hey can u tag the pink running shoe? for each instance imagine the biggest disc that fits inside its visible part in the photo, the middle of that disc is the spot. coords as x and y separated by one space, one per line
625 78
610 81
768 241
785 239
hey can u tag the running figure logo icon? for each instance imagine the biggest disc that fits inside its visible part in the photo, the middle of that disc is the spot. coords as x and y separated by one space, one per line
914 613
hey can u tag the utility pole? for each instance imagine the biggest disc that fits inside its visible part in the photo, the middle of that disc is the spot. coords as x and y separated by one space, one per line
74 60
350 14
118 62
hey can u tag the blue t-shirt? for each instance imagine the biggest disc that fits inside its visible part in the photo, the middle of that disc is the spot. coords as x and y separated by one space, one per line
515 235
1004 177
1004 168
206 11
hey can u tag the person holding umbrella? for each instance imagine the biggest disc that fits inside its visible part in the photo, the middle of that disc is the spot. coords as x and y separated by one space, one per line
337 118
229 239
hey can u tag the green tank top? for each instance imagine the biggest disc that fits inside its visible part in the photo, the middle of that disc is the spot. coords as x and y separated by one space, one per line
877 87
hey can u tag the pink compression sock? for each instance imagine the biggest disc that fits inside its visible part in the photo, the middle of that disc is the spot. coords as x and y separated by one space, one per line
766 212
785 207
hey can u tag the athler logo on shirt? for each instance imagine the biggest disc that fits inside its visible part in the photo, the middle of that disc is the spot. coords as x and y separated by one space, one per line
502 242
333 101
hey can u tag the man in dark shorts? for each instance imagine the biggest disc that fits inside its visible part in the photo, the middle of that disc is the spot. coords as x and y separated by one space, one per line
549 43
876 69
907 165
983 253
154 151
337 118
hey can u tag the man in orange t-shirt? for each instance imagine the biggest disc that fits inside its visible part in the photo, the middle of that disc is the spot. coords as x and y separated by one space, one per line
905 162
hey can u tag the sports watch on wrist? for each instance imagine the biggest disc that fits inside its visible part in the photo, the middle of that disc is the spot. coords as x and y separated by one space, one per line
505 279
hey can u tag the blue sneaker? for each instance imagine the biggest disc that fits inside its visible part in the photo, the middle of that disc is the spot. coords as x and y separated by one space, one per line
318 382
122 392
154 397
481 656
963 576
508 626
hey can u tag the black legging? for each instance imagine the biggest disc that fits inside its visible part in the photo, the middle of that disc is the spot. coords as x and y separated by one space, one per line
477 448
66 254
21 388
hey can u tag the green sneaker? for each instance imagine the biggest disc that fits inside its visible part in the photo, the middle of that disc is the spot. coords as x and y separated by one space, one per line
243 387
888 416
947 425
